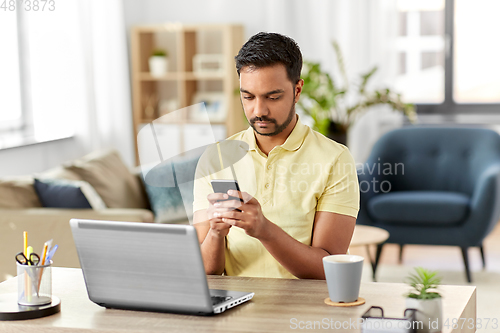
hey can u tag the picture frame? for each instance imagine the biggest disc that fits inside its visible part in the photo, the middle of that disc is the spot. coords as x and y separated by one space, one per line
215 106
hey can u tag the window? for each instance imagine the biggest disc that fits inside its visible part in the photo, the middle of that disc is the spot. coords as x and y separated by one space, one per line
10 86
476 52
448 55
420 46
41 83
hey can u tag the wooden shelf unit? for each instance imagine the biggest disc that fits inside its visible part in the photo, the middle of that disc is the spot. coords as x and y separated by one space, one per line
181 83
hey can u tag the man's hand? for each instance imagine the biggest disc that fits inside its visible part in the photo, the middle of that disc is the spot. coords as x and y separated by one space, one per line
218 227
332 234
246 215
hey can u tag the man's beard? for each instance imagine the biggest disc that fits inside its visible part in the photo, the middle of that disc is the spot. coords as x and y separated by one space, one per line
279 128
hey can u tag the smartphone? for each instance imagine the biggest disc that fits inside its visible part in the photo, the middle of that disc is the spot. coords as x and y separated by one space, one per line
224 185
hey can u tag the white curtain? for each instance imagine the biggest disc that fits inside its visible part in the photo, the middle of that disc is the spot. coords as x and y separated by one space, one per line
108 121
79 78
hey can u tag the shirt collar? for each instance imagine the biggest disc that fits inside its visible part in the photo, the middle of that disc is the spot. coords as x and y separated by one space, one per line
296 138
293 142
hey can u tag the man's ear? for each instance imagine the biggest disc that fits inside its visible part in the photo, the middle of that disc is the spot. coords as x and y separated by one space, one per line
298 89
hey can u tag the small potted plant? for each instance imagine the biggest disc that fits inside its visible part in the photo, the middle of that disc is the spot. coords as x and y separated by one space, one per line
158 62
425 299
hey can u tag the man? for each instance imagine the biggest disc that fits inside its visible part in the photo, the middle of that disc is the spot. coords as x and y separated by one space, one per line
306 195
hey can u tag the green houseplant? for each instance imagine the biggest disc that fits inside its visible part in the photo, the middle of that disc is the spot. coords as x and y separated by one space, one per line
424 284
333 107
159 53
425 299
158 62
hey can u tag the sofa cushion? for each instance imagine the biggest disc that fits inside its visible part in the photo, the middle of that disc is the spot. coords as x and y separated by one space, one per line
18 192
62 193
175 202
111 178
422 207
58 172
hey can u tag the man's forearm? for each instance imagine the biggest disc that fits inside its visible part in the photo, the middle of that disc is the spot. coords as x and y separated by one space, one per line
303 261
212 250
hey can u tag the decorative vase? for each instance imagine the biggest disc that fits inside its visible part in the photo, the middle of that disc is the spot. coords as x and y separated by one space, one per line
429 312
158 65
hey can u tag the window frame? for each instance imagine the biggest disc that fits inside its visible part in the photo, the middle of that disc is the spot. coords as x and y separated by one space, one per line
449 106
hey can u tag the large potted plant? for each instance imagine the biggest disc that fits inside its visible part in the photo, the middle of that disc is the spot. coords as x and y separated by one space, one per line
425 299
334 108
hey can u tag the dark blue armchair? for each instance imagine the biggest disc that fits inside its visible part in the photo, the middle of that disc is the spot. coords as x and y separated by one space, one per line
433 186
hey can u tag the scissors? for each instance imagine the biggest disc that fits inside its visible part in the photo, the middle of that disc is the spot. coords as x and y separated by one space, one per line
34 259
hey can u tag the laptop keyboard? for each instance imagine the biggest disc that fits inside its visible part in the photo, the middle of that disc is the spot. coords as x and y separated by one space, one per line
220 299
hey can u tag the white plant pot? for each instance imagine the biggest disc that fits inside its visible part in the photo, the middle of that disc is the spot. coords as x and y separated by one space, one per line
430 313
158 65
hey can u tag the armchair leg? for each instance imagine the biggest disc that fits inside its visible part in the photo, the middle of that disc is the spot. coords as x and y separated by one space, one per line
377 257
401 253
466 262
481 248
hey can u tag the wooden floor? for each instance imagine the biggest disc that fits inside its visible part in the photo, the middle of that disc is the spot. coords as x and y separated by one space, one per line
446 257
443 258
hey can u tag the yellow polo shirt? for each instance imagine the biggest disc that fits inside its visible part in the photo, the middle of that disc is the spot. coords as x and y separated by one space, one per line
308 173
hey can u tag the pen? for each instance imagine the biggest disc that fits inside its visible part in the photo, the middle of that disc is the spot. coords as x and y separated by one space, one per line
44 256
49 245
48 257
51 253
44 253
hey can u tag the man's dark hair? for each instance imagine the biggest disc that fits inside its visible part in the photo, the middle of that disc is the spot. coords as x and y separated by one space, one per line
267 49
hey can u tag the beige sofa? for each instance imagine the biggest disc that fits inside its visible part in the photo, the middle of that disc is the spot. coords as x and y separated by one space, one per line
21 210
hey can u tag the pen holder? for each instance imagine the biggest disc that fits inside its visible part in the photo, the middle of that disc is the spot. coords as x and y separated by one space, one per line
34 284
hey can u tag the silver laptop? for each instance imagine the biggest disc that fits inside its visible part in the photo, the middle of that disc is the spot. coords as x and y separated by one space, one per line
147 266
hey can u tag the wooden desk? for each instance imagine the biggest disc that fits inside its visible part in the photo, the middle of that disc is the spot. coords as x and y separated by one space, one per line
278 306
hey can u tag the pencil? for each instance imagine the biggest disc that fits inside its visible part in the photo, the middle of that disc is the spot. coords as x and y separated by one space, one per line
25 236
44 255
27 291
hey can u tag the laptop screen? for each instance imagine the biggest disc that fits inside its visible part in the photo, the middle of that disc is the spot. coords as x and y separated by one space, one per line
142 265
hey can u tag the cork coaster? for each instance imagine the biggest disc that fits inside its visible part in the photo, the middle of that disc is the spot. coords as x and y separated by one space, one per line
360 301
